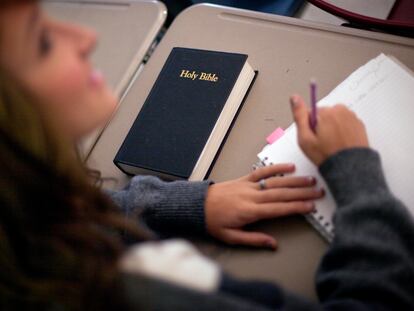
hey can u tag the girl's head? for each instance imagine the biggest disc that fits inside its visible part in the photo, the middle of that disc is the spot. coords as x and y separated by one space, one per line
51 60
60 238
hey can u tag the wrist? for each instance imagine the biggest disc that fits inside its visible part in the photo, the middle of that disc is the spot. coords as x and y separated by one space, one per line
209 208
323 156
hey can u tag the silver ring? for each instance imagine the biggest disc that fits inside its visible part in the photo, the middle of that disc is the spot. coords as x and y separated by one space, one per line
262 184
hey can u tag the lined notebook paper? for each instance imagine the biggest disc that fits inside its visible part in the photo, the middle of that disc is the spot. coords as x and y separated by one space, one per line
381 93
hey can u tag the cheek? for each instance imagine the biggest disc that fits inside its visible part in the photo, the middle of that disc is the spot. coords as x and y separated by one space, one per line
65 86
61 89
69 97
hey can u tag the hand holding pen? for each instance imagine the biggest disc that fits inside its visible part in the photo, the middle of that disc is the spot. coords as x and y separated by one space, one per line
338 128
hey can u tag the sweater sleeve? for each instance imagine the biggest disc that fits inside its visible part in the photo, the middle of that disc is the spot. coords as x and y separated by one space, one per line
165 207
370 263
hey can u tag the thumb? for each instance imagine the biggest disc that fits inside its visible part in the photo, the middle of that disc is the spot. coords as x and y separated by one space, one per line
257 239
301 116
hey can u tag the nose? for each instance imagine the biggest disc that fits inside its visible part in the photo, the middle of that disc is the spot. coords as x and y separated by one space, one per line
87 42
84 39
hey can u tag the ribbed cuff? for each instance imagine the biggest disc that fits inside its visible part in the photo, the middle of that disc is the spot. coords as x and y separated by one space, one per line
352 173
180 208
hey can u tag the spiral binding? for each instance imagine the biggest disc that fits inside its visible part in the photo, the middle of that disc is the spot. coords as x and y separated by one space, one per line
315 219
259 164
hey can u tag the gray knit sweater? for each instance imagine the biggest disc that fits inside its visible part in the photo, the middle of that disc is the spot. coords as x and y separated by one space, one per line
368 266
165 207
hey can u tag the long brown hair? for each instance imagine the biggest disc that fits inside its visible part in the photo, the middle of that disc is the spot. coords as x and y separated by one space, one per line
60 237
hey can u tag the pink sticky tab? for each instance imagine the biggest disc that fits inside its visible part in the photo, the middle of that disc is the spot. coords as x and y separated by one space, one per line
275 135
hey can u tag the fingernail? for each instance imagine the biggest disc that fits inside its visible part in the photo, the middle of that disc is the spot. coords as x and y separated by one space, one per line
310 206
320 191
294 101
270 244
312 179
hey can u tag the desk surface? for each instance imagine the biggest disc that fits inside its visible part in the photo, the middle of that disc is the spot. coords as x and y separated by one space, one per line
126 29
287 52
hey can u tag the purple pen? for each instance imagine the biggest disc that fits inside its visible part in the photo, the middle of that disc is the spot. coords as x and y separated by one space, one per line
313 119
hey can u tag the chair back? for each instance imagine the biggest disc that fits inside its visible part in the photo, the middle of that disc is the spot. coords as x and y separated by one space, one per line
395 26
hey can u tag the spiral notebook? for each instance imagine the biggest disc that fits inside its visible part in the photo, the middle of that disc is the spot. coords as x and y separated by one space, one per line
381 93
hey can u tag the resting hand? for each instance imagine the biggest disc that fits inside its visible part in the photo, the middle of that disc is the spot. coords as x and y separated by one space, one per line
233 204
338 128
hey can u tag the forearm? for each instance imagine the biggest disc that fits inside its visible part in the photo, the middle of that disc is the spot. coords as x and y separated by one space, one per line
164 206
371 260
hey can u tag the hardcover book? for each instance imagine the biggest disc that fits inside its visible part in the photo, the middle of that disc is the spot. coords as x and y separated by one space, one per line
187 114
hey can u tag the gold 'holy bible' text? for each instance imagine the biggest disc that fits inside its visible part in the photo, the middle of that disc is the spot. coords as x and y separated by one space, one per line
193 75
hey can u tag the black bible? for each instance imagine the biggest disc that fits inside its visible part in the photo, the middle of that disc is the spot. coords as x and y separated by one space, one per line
186 116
